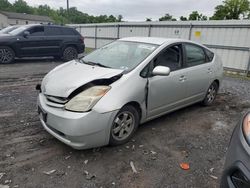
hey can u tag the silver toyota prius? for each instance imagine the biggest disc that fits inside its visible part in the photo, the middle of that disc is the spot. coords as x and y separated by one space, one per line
101 98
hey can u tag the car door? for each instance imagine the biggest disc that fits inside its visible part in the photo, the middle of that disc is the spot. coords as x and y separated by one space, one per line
199 71
34 43
54 40
167 93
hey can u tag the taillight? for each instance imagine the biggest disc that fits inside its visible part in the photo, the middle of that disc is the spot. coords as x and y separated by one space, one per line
82 39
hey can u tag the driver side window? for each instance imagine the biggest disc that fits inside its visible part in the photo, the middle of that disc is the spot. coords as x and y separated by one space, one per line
170 57
37 31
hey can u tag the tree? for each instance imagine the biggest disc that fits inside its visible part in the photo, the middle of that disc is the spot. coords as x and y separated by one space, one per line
60 16
231 9
120 17
5 5
167 17
182 18
195 15
22 7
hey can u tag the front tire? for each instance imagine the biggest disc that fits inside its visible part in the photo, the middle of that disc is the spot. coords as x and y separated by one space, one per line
69 53
7 55
124 125
211 94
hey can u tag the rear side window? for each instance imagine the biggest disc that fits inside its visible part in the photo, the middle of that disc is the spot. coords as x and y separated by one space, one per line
195 55
36 31
53 31
68 31
210 55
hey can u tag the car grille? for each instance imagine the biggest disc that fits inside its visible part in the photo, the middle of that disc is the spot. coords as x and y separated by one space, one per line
57 102
240 180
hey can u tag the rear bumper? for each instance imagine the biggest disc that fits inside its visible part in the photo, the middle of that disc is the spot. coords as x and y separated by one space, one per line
78 130
238 159
81 48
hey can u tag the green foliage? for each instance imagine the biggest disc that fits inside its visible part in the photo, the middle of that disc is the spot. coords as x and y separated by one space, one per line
167 17
60 16
182 18
232 9
195 15
5 5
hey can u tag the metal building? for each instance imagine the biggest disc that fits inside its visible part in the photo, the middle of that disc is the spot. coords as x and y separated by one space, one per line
230 39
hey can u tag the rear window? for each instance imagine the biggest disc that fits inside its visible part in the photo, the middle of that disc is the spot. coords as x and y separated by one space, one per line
53 31
68 31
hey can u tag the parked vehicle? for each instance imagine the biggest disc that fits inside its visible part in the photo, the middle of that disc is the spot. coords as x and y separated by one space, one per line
8 29
41 41
237 167
103 97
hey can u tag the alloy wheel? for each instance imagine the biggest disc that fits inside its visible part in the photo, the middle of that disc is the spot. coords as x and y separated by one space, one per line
123 125
6 55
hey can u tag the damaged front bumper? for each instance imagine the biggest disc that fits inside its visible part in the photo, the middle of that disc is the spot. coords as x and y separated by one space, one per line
78 130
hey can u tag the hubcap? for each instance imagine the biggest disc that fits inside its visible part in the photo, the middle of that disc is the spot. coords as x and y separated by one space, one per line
211 94
123 125
70 54
5 56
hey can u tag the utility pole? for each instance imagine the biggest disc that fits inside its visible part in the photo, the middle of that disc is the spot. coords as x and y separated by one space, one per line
68 7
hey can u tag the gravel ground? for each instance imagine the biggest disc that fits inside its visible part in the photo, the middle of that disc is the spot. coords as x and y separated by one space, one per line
197 135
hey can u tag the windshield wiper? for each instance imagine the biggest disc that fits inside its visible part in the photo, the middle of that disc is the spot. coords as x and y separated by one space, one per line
94 64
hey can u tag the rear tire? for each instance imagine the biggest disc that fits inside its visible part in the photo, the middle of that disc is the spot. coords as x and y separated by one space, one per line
124 125
7 55
69 53
211 94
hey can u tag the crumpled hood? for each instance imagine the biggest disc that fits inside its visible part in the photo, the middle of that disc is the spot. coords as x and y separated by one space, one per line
66 78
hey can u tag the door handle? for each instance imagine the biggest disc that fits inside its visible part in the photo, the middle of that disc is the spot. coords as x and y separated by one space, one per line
209 70
182 78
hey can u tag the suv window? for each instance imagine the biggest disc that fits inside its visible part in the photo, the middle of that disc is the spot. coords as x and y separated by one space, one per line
53 31
195 55
68 31
36 31
171 58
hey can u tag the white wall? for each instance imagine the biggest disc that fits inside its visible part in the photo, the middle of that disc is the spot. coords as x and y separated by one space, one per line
23 22
230 39
3 21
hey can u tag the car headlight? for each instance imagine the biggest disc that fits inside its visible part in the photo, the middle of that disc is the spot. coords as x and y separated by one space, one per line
246 127
85 100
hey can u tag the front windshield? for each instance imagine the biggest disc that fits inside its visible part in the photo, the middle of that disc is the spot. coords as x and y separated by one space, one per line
120 55
8 29
18 30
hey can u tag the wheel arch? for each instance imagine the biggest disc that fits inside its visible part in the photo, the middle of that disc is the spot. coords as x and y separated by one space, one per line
137 106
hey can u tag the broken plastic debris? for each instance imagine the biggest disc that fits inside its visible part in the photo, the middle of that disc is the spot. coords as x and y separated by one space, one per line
153 152
214 177
49 172
7 181
67 157
1 175
185 166
133 167
89 176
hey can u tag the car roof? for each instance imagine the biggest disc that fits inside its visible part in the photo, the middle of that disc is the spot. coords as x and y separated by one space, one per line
153 40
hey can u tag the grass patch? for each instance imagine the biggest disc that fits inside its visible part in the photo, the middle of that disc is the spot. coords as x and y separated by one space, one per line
88 50
237 76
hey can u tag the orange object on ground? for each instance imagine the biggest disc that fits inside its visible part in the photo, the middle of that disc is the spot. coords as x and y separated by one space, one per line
184 166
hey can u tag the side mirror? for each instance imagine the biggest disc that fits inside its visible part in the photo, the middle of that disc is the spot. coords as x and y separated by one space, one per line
26 34
161 71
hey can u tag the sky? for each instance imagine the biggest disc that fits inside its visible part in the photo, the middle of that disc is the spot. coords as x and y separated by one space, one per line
135 10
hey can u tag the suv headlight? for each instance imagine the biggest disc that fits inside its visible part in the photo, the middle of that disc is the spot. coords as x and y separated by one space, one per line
246 127
85 100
